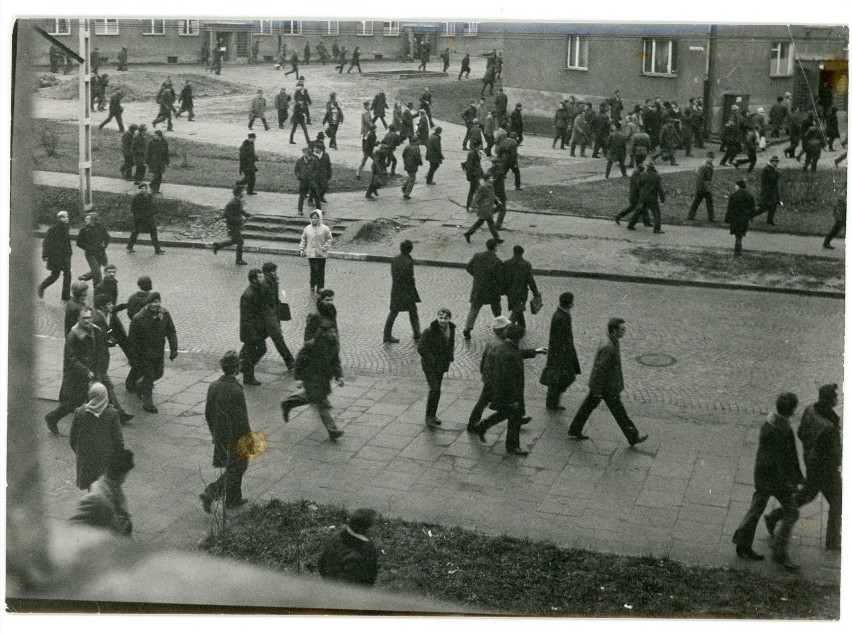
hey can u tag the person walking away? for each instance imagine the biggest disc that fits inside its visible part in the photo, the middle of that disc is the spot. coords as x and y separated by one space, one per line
473 172
616 149
115 110
516 124
144 220
233 215
563 364
777 117
641 146
140 153
776 474
669 140
606 383
434 154
379 107
369 142
186 101
487 272
248 164
350 556
127 151
165 99
730 142
507 150
650 197
158 160
122 59
307 54
770 190
832 128
411 162
741 209
488 81
560 123
839 221
56 253
404 296
226 414
105 505
600 130
149 330
483 203
437 351
272 295
703 189
315 243
813 143
445 60
93 239
580 133
633 197
282 106
751 144
465 67
95 436
294 63
518 280
355 61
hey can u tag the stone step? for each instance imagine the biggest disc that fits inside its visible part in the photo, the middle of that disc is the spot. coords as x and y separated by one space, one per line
300 222
280 230
291 238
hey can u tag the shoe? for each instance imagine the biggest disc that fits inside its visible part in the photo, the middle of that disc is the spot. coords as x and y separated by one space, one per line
334 435
557 408
124 418
437 421
41 290
285 412
467 237
525 420
517 189
639 440
292 143
824 246
500 241
391 340
130 250
406 197
471 427
150 408
159 252
658 231
251 381
517 451
251 193
786 564
748 554
466 334
241 262
770 524
632 228
206 502
215 248
617 220
237 504
578 436
52 426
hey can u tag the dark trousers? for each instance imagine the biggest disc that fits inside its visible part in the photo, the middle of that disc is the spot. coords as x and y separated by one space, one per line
616 407
165 115
248 180
770 209
95 262
127 168
434 379
481 404
283 115
156 179
620 164
186 107
513 415
61 411
551 401
295 69
811 159
642 209
433 167
250 354
835 231
354 64
308 189
832 489
299 122
471 190
273 330
408 186
560 136
230 484
317 266
730 153
140 172
323 407
696 201
235 237
744 535
382 117
413 317
646 218
517 172
489 85
516 316
481 221
751 159
118 120
489 143
465 72
262 120
376 181
135 234
332 135
582 148
66 281
392 163
475 307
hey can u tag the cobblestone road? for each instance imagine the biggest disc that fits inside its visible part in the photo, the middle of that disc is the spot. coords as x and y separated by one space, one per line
733 350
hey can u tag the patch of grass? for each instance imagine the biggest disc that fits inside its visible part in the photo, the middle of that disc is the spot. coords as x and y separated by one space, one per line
723 264
192 163
519 575
808 198
114 209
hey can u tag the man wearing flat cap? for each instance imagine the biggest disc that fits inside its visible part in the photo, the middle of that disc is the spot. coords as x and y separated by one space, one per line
149 330
350 556
770 190
227 418
741 209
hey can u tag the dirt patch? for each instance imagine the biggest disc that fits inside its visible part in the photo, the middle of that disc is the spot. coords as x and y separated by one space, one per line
378 230
143 85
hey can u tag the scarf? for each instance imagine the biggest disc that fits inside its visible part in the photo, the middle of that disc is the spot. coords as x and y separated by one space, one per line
363 538
98 400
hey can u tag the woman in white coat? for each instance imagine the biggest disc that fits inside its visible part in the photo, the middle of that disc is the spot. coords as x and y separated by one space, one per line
315 243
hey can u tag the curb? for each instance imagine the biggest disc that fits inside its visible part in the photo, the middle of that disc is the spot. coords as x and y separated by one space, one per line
591 275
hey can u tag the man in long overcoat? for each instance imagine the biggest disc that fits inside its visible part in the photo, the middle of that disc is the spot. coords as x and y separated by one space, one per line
404 296
434 155
616 149
149 330
741 209
127 151
142 210
651 195
186 101
248 163
258 110
93 239
282 105
140 152
487 272
227 418
563 365
518 280
703 188
770 193
158 159
56 253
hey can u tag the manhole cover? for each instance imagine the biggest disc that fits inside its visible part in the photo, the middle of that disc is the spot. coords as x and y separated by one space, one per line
656 360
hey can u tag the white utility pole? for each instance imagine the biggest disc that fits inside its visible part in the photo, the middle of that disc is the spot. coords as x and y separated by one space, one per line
85 145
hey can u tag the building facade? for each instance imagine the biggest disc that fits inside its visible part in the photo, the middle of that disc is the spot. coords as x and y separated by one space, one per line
723 64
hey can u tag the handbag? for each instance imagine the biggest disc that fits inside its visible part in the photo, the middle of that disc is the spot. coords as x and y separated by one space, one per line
536 303
284 311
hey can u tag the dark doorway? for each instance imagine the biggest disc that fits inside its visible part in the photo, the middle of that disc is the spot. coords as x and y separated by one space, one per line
223 40
242 44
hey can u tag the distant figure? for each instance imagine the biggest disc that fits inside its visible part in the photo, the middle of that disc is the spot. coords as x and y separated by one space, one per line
350 556
741 209
404 296
839 221
465 67
122 59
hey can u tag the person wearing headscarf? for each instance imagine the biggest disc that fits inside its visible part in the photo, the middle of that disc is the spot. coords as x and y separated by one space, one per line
95 436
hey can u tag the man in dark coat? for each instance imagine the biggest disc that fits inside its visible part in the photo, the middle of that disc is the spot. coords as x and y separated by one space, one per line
606 384
282 105
507 390
142 209
434 155
355 61
822 449
776 474
437 351
115 110
770 192
650 196
633 197
105 320
350 556
122 59
426 104
149 330
516 123
445 59
81 365
166 100
391 140
305 170
271 303
563 365
109 288
333 117
741 209
139 299
411 162
465 67
484 203
560 123
56 253
487 272
93 238
158 159
234 213
248 164
404 296
127 151
299 116
703 188
517 281
55 56
227 418
472 171
616 149
186 101
507 150
322 51
140 152
501 105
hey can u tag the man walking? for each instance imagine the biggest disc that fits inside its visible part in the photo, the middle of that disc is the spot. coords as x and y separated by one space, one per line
465 67
650 197
140 152
483 203
271 312
741 210
563 365
770 190
434 154
248 164
305 171
144 220
411 162
508 153
186 101
127 151
404 296
158 160
298 118
56 253
839 221
486 370
487 272
122 59
282 105
226 414
606 384
703 188
234 214
115 110
149 330
93 239
258 110
355 61
776 474
518 280
616 149
633 197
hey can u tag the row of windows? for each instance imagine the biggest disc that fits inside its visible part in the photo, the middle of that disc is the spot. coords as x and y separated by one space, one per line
109 26
659 56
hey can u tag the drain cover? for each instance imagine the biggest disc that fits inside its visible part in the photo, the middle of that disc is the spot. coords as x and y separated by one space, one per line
656 360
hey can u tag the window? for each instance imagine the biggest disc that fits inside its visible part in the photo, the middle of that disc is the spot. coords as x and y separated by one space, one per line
449 29
106 26
366 28
332 28
469 29
578 52
659 57
61 26
264 27
781 62
189 27
291 27
155 27
392 29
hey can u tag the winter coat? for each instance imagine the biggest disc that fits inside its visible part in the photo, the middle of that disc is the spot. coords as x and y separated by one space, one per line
403 289
349 559
316 241
317 363
487 271
562 365
516 122
580 129
560 119
148 335
253 305
140 148
72 313
93 239
507 375
517 279
258 108
322 173
56 248
776 467
186 96
379 105
635 186
433 150
704 179
158 154
82 355
616 146
411 157
606 377
227 418
234 214
652 188
483 200
473 166
822 447
248 158
127 143
423 130
94 440
437 352
770 194
142 209
741 209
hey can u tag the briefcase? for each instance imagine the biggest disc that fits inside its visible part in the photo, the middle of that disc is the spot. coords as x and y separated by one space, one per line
284 311
535 304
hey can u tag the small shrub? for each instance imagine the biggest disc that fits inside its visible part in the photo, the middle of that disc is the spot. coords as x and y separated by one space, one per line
50 141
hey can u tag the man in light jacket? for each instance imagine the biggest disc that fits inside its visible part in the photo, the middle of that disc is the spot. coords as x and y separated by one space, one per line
315 243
